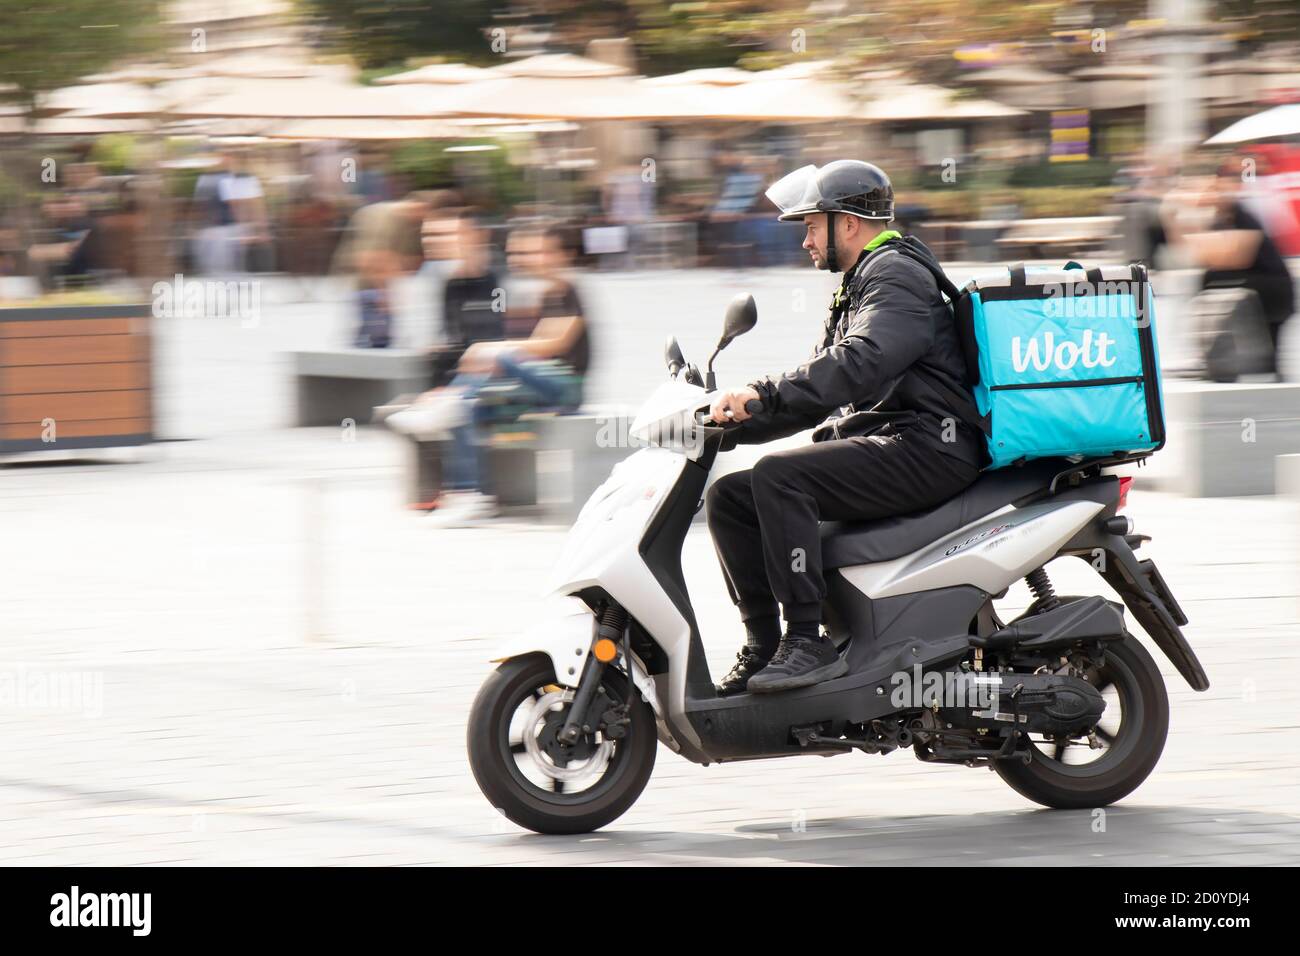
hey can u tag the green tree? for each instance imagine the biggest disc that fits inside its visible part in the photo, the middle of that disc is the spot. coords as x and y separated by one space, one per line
381 34
47 44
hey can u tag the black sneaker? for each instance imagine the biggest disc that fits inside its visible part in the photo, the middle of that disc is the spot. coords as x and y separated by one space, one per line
798 662
748 663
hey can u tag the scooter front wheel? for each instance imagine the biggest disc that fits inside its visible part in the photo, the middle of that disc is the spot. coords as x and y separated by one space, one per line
525 773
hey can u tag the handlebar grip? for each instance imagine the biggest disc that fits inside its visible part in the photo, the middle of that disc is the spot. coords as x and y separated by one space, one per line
702 417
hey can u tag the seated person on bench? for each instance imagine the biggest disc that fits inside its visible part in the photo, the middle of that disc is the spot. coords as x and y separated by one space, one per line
1232 246
472 310
543 370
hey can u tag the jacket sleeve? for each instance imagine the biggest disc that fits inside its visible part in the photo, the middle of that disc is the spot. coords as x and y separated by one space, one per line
891 329
768 426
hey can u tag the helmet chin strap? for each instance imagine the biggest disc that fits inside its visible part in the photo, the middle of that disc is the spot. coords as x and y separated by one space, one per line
832 260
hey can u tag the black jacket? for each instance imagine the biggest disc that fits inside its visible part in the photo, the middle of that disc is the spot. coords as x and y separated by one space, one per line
889 357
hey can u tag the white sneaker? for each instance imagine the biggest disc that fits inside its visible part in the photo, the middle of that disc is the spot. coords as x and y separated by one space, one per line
430 419
463 509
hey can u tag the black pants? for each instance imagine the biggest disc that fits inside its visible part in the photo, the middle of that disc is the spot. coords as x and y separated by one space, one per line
765 520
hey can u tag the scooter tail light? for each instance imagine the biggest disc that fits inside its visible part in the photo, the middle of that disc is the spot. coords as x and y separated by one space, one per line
1123 492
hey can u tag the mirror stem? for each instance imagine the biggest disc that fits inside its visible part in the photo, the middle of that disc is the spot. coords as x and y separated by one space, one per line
711 382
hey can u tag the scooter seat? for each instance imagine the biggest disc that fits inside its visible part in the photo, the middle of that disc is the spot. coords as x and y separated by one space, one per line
846 543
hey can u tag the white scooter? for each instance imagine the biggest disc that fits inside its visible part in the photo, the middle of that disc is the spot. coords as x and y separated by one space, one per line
1062 702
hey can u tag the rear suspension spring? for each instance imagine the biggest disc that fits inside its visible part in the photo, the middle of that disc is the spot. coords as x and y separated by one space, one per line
1041 585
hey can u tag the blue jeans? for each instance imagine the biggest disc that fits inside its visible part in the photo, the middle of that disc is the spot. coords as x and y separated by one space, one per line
376 328
463 468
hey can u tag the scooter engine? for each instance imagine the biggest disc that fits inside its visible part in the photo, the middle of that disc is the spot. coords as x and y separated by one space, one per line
1055 705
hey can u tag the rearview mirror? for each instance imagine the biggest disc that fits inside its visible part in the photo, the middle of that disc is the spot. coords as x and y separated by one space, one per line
673 356
742 315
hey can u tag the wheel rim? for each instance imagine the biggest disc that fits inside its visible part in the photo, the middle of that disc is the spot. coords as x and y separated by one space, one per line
537 763
1117 732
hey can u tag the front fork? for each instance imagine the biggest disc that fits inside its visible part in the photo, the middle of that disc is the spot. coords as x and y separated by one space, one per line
590 710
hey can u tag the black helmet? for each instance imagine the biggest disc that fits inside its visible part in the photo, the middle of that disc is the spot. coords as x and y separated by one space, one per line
846 185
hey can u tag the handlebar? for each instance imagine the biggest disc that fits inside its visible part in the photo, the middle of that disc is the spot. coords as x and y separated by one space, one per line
702 416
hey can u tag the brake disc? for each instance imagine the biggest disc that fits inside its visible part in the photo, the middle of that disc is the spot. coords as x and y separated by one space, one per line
541 726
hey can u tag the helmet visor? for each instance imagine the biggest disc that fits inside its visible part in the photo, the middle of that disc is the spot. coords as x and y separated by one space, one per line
796 193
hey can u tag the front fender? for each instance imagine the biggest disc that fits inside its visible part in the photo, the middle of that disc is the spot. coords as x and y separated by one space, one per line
565 634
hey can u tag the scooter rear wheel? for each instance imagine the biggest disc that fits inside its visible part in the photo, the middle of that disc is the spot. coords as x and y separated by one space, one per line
1130 678
521 777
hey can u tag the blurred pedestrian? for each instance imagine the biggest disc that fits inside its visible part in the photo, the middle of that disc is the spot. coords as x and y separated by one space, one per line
63 254
232 208
382 243
1209 221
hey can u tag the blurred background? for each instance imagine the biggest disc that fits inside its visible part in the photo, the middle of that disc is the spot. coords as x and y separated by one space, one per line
254 252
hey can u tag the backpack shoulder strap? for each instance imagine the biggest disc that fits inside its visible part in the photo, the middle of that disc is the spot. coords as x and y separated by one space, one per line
945 284
961 312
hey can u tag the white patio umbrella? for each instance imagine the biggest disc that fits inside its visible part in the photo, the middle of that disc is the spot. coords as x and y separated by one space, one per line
715 76
1279 121
125 99
569 98
344 128
559 66
267 66
310 98
69 125
120 100
437 73
562 91
798 92
776 96
897 101
137 73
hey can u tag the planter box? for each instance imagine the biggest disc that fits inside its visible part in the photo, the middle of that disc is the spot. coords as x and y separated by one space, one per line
75 377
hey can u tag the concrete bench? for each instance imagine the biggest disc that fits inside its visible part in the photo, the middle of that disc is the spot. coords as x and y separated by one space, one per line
510 462
347 383
1225 439
547 463
1040 238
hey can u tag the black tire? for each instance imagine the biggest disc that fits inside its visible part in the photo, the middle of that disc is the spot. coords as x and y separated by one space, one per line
498 775
1130 759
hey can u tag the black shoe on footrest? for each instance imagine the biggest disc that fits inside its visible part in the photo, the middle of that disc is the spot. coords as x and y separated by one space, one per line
799 662
748 663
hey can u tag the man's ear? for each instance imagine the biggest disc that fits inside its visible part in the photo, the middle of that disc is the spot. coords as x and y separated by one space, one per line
851 231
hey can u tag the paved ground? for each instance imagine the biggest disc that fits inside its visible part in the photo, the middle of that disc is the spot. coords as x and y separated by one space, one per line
277 662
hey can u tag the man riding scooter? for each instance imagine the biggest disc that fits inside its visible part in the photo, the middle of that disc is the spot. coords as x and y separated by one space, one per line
899 431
